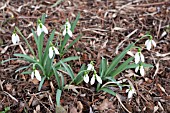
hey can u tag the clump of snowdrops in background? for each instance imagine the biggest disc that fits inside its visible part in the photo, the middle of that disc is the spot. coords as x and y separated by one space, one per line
43 66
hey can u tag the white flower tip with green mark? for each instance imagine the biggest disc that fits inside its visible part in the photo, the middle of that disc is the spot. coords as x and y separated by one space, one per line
149 43
15 38
36 74
86 78
41 28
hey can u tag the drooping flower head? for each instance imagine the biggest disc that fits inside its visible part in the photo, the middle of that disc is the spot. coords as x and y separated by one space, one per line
141 68
86 78
35 73
139 57
15 38
149 43
67 29
41 28
97 77
53 50
130 91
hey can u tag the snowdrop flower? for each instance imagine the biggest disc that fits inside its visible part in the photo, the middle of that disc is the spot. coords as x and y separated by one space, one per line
90 67
15 38
67 29
53 50
130 91
41 28
97 77
36 74
139 57
141 68
86 78
150 42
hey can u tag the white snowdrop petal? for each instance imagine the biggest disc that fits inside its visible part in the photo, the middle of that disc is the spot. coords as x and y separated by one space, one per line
137 58
37 75
44 29
64 32
99 79
69 32
142 71
51 52
142 57
32 75
86 78
136 69
90 67
56 51
14 39
17 37
130 94
148 45
39 30
153 42
92 80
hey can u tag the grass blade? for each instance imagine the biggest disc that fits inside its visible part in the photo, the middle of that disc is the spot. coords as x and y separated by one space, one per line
26 58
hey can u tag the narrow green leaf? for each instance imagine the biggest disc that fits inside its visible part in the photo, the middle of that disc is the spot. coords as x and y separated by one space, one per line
117 59
26 58
66 60
23 67
79 77
75 22
41 83
57 77
68 69
43 18
30 48
26 72
58 96
47 47
2 62
108 91
72 43
122 67
135 65
103 67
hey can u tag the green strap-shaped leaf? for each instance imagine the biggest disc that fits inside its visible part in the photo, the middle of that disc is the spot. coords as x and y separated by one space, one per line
108 91
26 58
58 96
117 59
41 83
103 67
45 56
122 67
66 60
68 69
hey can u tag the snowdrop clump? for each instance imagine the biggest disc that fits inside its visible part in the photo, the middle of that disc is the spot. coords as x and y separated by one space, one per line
139 57
94 77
